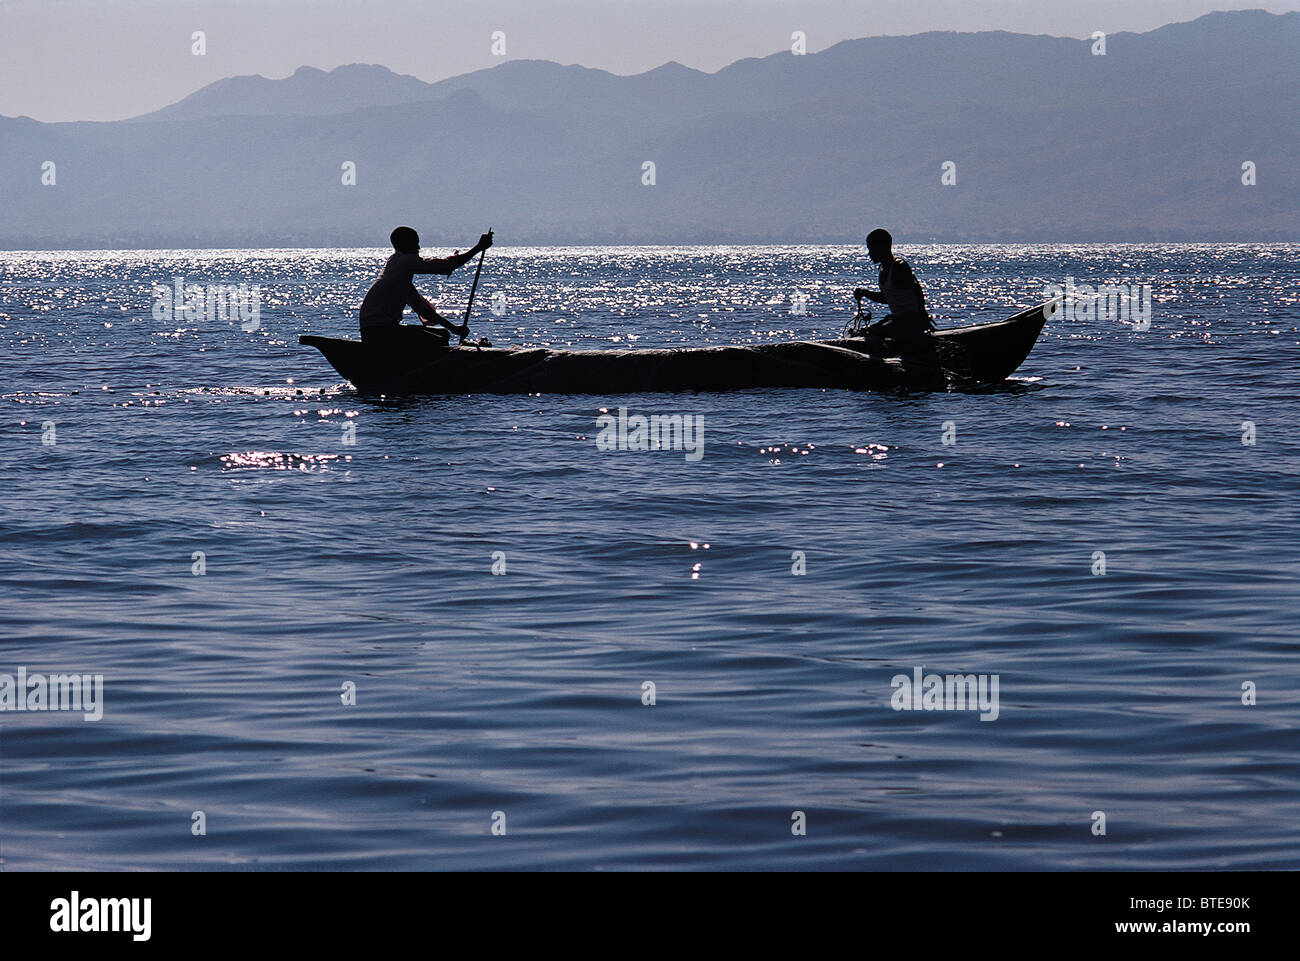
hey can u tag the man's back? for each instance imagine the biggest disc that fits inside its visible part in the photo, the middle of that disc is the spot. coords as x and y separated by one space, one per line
392 291
902 291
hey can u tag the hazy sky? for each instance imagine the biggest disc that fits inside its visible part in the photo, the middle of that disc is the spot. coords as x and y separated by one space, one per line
107 59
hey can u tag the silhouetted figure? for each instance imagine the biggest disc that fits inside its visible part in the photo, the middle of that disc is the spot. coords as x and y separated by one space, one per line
394 290
908 324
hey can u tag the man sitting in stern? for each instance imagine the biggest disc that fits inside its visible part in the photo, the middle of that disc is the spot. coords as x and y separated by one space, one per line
908 324
394 290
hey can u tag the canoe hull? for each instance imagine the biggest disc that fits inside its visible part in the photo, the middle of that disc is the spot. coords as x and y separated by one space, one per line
976 355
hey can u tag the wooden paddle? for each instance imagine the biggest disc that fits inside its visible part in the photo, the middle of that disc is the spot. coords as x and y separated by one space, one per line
470 306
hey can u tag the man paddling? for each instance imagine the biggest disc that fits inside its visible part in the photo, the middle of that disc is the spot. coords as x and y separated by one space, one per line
394 290
908 323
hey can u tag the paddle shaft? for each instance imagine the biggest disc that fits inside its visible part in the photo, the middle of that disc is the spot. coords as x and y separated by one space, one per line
470 306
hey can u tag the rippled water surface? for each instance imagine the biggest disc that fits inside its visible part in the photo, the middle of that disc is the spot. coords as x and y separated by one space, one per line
328 564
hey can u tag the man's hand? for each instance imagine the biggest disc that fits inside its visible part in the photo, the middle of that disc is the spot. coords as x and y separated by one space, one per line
460 330
484 242
860 292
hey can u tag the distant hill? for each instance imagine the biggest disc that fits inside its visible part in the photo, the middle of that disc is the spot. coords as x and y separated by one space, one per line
308 93
1050 143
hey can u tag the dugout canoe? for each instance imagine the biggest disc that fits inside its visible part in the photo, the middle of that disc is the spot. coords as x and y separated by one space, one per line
971 356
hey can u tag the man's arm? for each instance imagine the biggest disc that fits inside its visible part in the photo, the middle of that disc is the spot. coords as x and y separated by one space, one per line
872 295
430 316
445 265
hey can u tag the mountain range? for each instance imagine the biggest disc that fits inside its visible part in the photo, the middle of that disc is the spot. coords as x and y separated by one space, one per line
1047 141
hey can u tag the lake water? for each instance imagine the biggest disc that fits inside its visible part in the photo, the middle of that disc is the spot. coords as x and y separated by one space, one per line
183 514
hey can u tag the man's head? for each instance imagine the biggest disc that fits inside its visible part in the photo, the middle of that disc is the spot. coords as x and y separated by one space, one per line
879 244
405 240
